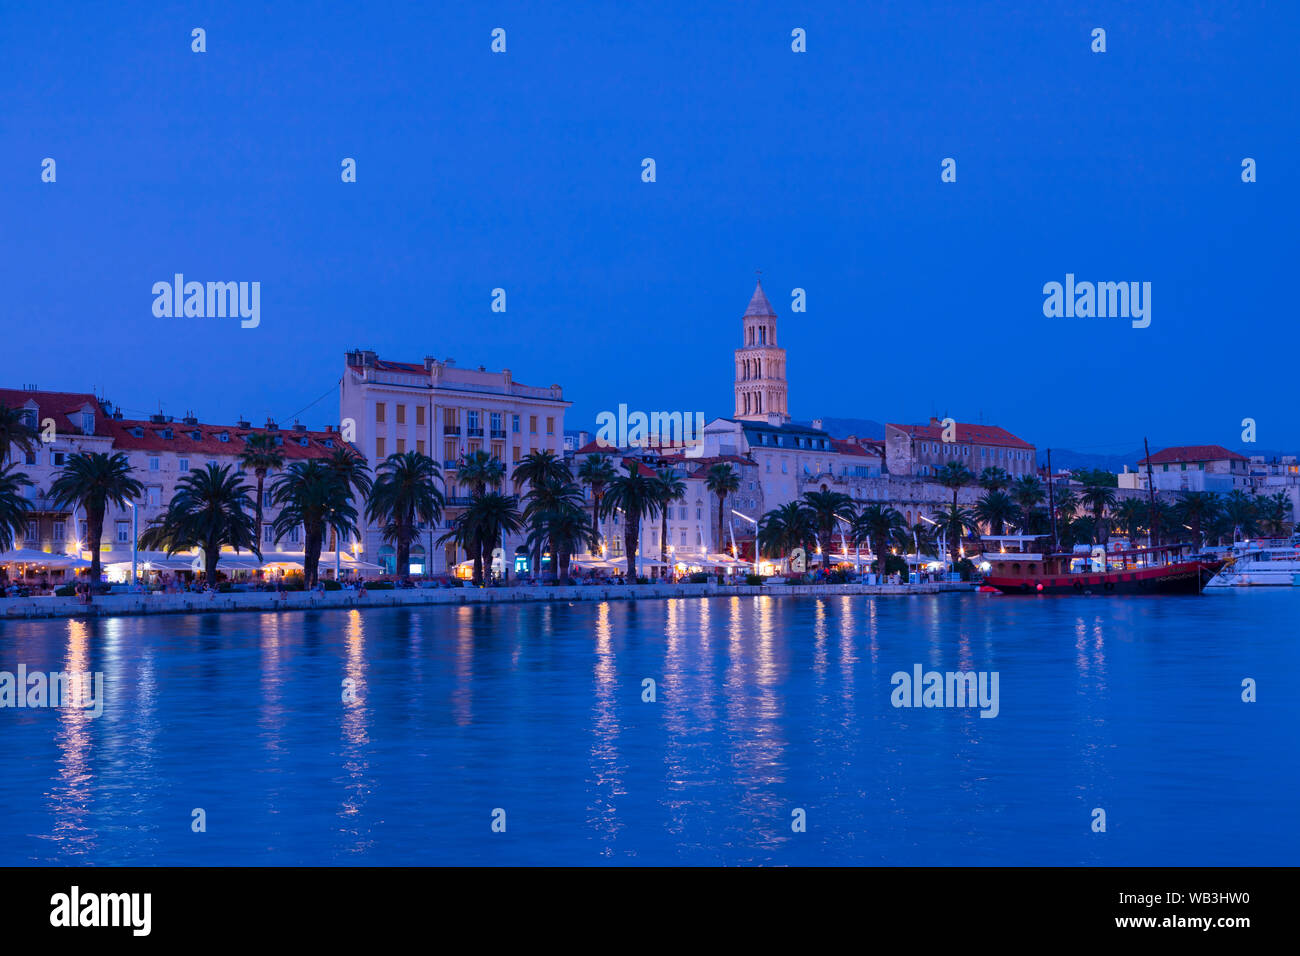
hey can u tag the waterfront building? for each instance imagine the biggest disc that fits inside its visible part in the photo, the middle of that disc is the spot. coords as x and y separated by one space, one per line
444 411
76 422
1195 468
161 452
924 449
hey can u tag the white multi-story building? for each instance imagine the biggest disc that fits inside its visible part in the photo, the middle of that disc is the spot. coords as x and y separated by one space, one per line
446 412
161 452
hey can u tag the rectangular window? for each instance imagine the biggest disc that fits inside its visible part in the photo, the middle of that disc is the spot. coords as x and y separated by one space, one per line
379 449
401 414
419 446
514 454
419 414
83 530
401 445
34 535
88 423
379 412
293 535
30 457
532 424
268 534
154 464
550 426
471 419
60 532
514 424
496 421
154 496
124 532
57 458
266 497
183 464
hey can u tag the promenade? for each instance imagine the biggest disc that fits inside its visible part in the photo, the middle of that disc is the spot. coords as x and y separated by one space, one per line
157 603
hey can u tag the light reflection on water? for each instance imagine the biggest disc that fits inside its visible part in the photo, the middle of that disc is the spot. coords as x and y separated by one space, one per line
762 705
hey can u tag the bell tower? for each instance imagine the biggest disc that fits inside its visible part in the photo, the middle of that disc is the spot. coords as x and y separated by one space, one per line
761 391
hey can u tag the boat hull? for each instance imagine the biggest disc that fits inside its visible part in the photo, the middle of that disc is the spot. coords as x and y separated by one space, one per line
1187 577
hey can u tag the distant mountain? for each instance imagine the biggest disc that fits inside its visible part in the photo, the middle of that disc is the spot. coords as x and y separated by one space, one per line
843 427
1065 458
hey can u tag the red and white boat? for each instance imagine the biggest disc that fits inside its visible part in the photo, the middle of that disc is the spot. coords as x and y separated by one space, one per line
1165 569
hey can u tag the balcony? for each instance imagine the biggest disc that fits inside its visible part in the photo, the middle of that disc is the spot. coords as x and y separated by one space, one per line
451 429
451 463
458 501
499 433
474 432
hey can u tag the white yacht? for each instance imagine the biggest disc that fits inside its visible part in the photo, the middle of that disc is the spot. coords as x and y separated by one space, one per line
1261 565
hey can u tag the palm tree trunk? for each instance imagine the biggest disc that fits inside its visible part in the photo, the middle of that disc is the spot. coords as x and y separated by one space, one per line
595 517
257 534
311 559
663 537
630 542
485 557
403 551
95 531
722 547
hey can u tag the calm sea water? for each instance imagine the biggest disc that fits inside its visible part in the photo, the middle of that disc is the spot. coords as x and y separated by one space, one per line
764 706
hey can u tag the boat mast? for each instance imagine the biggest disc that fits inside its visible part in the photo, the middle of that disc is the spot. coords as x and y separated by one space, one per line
1153 523
1051 501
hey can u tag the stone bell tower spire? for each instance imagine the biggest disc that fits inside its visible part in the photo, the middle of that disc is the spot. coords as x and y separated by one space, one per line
761 391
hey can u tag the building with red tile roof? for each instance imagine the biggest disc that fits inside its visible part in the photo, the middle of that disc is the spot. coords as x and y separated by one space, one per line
924 449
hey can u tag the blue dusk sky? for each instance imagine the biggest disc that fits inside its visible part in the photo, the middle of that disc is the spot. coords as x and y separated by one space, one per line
522 170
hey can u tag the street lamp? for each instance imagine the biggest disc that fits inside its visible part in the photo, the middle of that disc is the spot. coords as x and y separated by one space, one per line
135 540
755 524
857 551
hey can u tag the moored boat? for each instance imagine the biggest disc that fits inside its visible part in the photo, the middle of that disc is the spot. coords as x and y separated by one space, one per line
1262 564
1165 569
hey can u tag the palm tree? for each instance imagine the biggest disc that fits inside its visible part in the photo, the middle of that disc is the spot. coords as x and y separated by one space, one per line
565 526
1274 512
826 508
637 496
405 495
1240 509
1130 516
92 480
878 524
549 498
14 433
1194 508
261 455
13 505
481 525
1028 493
956 522
671 488
1099 494
480 471
996 509
954 475
208 510
783 529
994 478
313 496
597 471
722 480
539 468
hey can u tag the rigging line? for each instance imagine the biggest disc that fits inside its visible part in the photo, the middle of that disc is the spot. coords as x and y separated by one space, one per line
328 392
